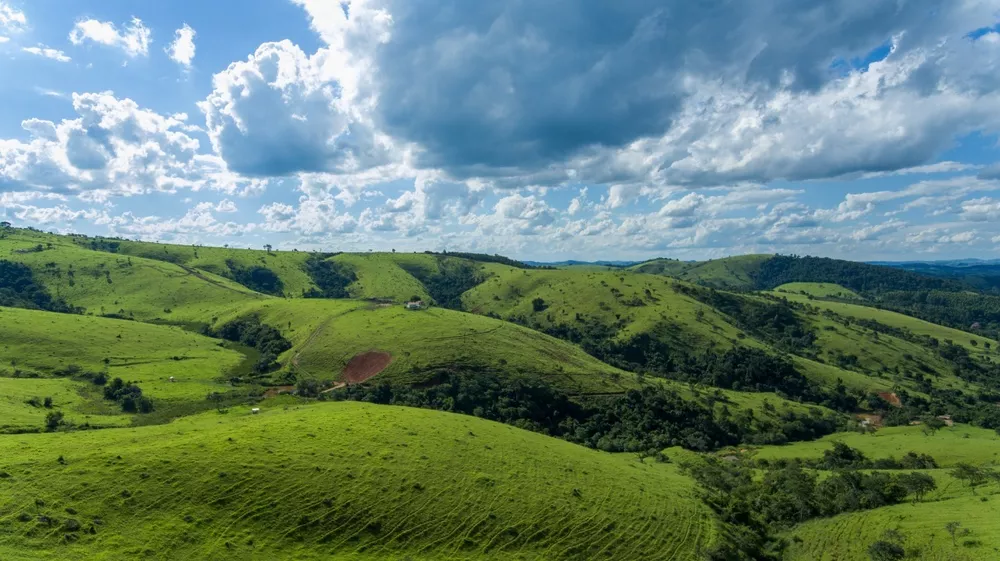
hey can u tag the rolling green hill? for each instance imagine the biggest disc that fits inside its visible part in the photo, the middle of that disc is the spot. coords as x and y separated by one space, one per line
726 354
347 480
729 272
819 290
327 334
42 353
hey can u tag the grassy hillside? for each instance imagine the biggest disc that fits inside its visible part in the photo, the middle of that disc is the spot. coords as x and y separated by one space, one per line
327 334
135 287
37 343
347 480
819 290
629 304
949 445
380 276
901 321
729 272
848 536
289 266
921 524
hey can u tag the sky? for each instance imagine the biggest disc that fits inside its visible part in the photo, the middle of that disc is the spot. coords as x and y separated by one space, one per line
538 129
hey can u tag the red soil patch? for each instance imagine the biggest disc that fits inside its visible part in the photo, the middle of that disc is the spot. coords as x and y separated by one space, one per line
273 391
891 398
364 366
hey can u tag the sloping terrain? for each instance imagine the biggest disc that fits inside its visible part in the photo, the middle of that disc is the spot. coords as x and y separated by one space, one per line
730 272
920 524
327 334
345 480
43 354
131 287
819 290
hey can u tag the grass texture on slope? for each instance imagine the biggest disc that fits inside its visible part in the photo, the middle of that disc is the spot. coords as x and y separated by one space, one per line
136 287
326 334
728 272
39 342
288 265
338 480
819 290
949 446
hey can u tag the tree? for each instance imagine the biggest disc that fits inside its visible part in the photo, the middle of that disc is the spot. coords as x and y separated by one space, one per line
538 305
917 484
48 403
885 551
4 224
952 529
54 420
931 425
267 247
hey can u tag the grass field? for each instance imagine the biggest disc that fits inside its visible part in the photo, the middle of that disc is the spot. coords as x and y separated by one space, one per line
730 272
847 537
633 303
819 290
338 480
288 265
901 321
107 283
949 446
326 334
379 275
73 399
40 343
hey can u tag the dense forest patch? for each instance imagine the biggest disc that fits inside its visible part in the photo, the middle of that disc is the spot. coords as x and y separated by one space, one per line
19 289
331 278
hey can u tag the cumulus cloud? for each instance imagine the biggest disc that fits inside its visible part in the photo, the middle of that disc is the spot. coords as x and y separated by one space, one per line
313 215
133 38
281 112
181 50
518 95
47 52
113 147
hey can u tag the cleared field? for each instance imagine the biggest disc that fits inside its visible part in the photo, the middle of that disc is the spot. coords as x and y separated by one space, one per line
633 303
339 480
819 290
949 446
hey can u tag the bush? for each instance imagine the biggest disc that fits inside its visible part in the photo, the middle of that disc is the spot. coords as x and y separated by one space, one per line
54 420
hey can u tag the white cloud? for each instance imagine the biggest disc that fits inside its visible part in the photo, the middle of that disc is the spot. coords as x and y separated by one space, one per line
112 148
281 112
194 225
182 49
47 52
133 38
981 210
225 205
11 19
313 215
